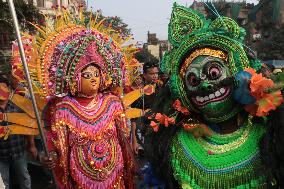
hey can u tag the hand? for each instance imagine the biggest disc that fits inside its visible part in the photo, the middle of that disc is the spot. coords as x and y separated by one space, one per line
49 162
135 147
33 151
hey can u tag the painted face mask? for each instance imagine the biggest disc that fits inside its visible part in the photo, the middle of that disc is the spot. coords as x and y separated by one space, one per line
209 87
90 80
206 55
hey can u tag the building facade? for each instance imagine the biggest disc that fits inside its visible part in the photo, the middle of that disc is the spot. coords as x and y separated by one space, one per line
155 46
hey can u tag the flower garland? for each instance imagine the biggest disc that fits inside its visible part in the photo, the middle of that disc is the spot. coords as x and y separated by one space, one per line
190 125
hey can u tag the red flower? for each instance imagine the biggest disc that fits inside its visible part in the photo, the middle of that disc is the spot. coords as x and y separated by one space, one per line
185 111
154 126
178 106
210 152
159 117
171 120
165 120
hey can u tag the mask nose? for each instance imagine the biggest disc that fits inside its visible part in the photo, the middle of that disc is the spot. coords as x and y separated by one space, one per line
205 86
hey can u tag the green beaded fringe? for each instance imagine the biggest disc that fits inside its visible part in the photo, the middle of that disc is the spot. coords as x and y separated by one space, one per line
194 167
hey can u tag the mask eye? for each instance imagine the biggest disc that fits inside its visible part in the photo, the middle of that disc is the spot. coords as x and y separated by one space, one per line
86 75
193 80
214 72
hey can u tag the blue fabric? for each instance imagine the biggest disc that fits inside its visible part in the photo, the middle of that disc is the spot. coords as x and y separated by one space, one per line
20 169
149 179
242 92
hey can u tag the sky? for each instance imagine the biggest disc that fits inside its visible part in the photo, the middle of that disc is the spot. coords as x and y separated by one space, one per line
142 15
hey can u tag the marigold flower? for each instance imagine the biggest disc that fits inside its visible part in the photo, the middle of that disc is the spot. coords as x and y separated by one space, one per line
265 101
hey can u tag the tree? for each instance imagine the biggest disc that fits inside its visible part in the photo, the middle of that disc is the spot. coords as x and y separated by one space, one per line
115 21
144 56
118 24
25 13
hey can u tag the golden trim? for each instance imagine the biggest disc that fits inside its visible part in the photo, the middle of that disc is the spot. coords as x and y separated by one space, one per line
198 52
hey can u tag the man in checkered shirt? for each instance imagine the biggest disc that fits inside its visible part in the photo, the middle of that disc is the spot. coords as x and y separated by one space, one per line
13 149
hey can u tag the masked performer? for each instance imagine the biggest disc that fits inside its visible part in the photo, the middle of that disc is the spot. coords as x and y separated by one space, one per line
208 134
76 68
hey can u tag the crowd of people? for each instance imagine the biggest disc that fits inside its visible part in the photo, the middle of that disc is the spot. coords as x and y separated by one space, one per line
214 120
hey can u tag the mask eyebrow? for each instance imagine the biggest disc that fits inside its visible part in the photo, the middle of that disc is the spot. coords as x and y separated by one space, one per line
84 73
201 63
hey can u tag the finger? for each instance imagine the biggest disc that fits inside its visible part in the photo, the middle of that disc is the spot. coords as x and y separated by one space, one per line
136 150
34 154
51 165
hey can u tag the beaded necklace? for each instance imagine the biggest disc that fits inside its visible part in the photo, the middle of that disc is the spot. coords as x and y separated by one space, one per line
218 161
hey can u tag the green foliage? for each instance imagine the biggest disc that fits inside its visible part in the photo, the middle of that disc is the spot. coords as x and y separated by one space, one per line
25 13
115 21
118 24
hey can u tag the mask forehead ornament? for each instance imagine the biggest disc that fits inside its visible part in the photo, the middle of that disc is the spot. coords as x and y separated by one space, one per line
204 52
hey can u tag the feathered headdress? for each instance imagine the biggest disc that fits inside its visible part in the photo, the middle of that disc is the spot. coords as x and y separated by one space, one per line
65 45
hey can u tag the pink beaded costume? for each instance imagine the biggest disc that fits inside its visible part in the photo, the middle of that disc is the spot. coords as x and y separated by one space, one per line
88 133
85 136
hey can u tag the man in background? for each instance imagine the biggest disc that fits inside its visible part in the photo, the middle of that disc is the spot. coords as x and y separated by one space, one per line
150 77
13 149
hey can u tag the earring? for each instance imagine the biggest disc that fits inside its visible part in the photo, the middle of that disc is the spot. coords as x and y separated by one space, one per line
73 88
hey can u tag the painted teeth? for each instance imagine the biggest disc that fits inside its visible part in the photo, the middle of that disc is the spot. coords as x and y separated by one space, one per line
222 90
218 93
211 96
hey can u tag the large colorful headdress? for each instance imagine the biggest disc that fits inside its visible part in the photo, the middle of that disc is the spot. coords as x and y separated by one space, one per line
66 44
192 35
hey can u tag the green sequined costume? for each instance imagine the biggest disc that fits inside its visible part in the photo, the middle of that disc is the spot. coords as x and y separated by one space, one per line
216 161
